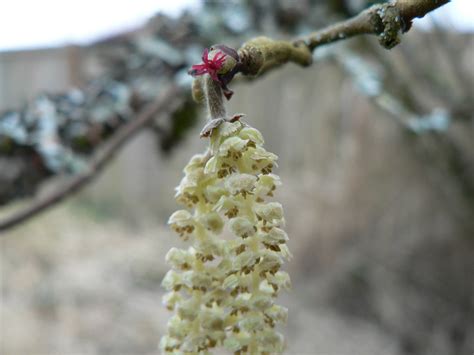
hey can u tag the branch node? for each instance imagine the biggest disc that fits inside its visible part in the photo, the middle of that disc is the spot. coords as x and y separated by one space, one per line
376 20
262 53
389 25
252 58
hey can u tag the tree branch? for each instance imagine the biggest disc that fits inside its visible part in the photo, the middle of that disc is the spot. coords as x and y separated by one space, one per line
162 104
387 21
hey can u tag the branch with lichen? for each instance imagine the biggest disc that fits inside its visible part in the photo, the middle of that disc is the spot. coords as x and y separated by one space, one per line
161 105
387 21
259 55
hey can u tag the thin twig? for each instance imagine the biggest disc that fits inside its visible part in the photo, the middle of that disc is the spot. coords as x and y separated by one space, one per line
385 20
162 104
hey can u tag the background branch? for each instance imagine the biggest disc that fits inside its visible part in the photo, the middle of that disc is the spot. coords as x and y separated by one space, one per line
161 106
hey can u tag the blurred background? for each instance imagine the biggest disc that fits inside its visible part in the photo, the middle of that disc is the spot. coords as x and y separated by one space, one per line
376 158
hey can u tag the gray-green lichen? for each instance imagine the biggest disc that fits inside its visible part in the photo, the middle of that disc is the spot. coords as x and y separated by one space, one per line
391 25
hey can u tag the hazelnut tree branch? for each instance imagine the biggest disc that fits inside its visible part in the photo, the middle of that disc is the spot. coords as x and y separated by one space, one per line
163 104
259 55
388 21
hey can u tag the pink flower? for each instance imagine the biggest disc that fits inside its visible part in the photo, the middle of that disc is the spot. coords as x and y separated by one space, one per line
212 66
209 66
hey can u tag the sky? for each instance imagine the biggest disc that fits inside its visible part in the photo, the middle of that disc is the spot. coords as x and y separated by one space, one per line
49 23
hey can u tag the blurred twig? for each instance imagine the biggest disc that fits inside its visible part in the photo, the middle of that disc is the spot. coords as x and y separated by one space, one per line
161 105
428 133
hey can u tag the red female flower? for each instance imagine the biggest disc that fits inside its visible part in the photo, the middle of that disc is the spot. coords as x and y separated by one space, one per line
210 66
222 64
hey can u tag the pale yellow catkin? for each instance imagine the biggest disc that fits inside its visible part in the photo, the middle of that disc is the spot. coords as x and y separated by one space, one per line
223 290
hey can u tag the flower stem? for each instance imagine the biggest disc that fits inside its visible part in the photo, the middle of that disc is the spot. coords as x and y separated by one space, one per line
214 98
